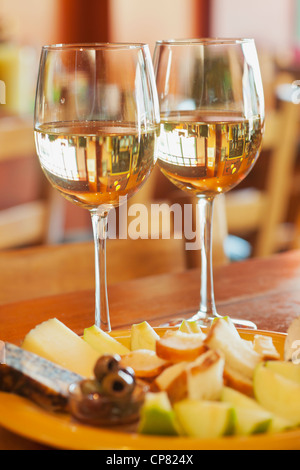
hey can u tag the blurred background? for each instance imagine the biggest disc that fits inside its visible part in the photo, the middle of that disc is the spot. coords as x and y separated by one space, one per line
259 218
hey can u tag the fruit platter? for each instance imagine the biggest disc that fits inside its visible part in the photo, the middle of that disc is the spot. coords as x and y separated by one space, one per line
151 388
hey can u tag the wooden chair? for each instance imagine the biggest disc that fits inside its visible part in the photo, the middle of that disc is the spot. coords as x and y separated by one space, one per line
263 211
31 222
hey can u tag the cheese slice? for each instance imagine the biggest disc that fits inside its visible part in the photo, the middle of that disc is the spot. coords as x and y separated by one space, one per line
33 377
55 342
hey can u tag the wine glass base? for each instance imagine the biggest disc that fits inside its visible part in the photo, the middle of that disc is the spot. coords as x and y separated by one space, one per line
206 320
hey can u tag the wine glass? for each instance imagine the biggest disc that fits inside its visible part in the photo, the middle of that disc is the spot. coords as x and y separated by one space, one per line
212 120
96 126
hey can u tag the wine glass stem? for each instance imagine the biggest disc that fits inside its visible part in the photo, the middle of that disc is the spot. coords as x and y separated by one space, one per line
99 223
207 299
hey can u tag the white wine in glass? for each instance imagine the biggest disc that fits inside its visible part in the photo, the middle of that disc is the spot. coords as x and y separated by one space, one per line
212 122
96 128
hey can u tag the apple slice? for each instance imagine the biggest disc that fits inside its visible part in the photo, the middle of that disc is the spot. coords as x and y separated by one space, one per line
264 346
201 379
173 381
205 419
158 416
239 355
145 363
190 326
237 381
143 336
277 394
251 421
205 377
229 324
177 346
264 419
286 369
292 341
102 342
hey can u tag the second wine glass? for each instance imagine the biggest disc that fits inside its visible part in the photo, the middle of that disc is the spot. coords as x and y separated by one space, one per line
212 121
96 125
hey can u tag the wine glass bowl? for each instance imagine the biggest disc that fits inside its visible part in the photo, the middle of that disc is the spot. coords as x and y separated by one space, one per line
212 121
96 126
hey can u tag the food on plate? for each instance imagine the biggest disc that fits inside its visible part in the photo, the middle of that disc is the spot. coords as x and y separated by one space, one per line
240 357
251 417
173 381
251 421
158 416
277 393
143 336
190 326
113 396
178 346
205 377
179 381
205 419
286 369
292 342
144 362
264 346
31 376
56 342
102 342
200 379
107 363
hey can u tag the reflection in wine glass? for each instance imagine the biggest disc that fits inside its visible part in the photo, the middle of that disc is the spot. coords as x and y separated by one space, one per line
96 127
212 120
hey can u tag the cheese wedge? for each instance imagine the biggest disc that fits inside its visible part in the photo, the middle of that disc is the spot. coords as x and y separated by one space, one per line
56 342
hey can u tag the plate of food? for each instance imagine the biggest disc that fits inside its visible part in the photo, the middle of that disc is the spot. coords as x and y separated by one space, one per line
151 388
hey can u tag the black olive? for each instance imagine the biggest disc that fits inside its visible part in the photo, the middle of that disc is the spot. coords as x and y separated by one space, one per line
128 370
106 364
118 384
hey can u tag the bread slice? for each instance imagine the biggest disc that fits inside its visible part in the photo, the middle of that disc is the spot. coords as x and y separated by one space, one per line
178 346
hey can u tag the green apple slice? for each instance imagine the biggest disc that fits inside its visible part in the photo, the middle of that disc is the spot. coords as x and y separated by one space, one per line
205 419
157 416
277 394
190 326
102 342
143 336
265 420
251 421
286 369
251 418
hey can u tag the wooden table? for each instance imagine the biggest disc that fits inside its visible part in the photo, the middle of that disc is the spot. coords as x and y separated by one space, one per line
266 291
